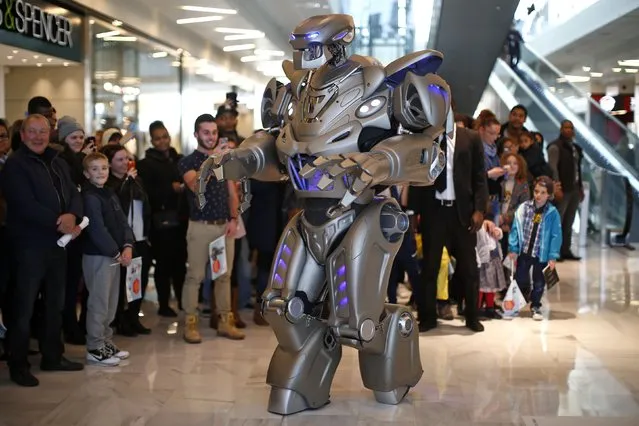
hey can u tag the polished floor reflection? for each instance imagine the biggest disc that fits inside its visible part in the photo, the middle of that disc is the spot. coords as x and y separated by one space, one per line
578 367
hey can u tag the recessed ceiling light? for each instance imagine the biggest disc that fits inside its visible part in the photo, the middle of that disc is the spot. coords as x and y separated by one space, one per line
66 64
39 64
573 79
586 69
199 19
24 60
91 21
209 10
116 23
10 57
120 38
15 52
235 30
629 63
107 34
237 37
160 54
269 52
49 59
253 58
596 74
238 47
631 70
616 70
175 63
36 56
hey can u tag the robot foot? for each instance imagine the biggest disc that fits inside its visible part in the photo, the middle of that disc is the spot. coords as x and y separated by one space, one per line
393 397
287 401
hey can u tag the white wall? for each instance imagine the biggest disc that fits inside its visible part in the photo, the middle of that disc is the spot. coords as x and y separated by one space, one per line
2 94
63 86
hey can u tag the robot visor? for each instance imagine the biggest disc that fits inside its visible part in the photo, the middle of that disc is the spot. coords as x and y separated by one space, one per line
313 52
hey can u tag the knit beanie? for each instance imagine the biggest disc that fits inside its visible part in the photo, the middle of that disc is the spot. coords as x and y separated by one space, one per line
66 126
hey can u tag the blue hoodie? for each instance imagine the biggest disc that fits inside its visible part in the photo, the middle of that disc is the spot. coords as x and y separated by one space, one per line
550 233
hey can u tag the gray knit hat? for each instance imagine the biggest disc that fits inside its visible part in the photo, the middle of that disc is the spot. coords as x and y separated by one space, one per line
66 126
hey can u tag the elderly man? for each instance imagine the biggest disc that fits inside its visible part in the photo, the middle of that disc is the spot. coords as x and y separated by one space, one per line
42 205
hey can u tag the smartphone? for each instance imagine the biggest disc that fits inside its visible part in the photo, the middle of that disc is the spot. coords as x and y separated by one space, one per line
131 165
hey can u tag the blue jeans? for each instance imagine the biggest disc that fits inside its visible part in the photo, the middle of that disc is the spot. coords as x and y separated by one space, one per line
522 275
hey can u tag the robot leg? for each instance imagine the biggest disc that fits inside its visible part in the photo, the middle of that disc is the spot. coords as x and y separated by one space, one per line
304 363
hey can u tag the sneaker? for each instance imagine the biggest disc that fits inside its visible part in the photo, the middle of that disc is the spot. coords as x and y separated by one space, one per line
116 352
537 316
103 357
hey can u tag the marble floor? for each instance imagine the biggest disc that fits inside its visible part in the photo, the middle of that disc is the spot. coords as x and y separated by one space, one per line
578 367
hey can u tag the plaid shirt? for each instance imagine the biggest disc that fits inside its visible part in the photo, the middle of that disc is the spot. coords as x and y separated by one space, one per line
529 221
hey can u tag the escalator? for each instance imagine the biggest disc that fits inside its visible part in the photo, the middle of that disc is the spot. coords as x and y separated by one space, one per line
609 147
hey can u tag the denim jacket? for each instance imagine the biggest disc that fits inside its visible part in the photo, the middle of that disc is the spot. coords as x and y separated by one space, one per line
550 233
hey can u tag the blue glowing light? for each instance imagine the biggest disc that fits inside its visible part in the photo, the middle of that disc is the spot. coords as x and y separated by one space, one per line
344 301
292 37
341 271
312 36
342 286
286 250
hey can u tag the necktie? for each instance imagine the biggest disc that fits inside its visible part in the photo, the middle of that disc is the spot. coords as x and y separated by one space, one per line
440 182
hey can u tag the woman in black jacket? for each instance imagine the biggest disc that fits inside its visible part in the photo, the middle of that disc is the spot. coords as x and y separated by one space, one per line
124 181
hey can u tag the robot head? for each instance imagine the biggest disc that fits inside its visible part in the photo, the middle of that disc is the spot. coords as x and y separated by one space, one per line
321 39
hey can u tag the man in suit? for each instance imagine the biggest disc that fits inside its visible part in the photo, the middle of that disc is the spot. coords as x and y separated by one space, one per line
452 211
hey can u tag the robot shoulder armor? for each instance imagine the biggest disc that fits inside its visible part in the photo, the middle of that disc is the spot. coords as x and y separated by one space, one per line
372 72
420 63
298 78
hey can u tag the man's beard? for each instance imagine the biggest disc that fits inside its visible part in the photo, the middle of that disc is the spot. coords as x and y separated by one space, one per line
201 144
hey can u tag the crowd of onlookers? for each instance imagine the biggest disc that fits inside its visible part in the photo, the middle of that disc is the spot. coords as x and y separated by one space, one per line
53 175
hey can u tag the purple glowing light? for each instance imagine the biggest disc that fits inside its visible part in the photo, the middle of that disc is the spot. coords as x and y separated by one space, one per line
286 250
282 264
342 286
341 271
343 302
277 278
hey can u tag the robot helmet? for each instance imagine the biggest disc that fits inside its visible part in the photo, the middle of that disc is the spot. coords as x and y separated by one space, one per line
320 39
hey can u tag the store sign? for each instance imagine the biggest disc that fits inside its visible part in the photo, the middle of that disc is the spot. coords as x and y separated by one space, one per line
39 25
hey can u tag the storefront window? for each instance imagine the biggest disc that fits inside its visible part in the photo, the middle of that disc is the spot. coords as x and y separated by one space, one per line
135 82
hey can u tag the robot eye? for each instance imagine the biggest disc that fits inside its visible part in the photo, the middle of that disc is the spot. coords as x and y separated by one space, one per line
312 36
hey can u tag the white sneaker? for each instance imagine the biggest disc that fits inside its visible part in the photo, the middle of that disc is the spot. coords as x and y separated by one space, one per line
103 357
537 316
116 352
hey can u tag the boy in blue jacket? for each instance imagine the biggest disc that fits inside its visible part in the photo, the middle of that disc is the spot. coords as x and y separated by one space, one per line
535 238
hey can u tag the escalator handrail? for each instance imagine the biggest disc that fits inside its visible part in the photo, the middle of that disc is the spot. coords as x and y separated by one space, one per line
591 101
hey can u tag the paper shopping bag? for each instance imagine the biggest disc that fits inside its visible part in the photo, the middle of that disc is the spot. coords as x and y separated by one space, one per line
134 280
217 257
551 276
514 300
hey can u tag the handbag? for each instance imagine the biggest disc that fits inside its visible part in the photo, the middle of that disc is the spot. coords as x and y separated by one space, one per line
166 219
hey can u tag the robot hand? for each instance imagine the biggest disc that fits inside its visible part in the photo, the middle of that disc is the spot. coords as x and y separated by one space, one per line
215 164
365 170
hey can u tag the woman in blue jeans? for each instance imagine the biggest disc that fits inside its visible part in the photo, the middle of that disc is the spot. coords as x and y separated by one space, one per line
535 241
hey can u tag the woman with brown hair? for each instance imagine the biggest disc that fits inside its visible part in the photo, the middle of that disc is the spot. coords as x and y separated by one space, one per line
514 191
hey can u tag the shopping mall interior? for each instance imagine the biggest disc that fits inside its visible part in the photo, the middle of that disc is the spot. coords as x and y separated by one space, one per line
165 310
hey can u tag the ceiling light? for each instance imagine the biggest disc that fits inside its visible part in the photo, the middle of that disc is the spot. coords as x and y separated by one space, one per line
107 34
116 23
209 10
91 21
49 59
120 38
616 70
596 74
36 56
160 54
38 64
15 52
269 52
10 57
24 60
573 79
238 47
249 36
66 64
199 19
234 30
175 63
253 58
629 63
586 69
631 70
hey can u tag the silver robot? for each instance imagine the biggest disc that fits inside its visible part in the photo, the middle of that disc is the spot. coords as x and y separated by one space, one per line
342 130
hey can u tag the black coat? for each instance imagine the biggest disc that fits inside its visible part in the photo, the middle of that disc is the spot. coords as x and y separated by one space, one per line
74 160
33 204
128 190
108 231
158 172
266 220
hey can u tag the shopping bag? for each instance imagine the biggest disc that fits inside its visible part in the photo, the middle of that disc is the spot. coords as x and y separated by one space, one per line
551 276
240 231
217 257
134 280
514 300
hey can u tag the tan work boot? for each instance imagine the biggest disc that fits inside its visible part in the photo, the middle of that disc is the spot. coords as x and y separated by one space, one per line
191 330
226 327
258 319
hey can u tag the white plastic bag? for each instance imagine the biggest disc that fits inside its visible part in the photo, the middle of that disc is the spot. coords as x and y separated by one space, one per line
134 280
217 257
514 300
